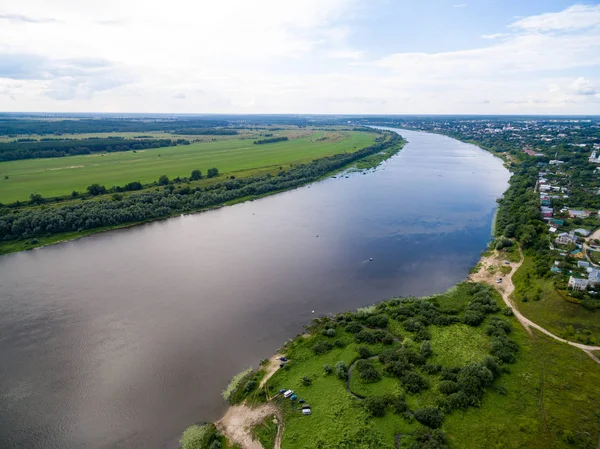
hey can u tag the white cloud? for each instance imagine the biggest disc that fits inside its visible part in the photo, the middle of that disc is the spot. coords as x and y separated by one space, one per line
576 17
493 36
279 56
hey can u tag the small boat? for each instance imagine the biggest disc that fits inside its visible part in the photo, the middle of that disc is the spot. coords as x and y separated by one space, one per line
370 259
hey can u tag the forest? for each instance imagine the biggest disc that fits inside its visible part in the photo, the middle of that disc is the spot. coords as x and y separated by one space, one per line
26 149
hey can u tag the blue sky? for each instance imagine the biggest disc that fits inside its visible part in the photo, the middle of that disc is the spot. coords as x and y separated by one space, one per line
314 56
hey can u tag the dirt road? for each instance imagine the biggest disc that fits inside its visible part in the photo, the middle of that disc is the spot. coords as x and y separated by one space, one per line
489 272
237 423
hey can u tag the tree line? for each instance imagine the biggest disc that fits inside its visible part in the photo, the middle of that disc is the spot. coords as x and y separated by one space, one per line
12 151
44 220
270 140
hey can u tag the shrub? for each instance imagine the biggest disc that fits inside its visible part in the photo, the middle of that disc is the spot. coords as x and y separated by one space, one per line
426 349
377 321
448 387
428 439
330 332
353 327
338 343
413 382
327 369
431 368
473 318
375 406
364 352
341 369
199 437
430 416
321 347
399 405
250 386
235 383
367 372
306 381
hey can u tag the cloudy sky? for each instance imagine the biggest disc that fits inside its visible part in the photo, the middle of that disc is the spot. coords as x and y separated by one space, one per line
308 56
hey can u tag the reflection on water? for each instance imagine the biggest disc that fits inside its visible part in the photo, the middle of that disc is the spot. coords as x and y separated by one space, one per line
124 338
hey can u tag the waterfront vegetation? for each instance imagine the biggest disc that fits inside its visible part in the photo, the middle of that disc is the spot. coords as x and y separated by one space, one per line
233 156
37 221
411 373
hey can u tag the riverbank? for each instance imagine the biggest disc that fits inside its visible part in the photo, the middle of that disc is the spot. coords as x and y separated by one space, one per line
370 157
491 267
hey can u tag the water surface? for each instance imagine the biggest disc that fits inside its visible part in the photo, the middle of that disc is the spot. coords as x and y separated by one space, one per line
122 339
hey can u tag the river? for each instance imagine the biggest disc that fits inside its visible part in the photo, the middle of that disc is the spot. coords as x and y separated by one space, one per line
122 339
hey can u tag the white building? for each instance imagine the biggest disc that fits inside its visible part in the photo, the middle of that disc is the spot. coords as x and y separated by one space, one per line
565 238
578 284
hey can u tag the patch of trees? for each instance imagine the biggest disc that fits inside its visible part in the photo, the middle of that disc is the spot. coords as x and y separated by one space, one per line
210 132
201 437
106 125
19 223
270 140
11 151
367 372
481 304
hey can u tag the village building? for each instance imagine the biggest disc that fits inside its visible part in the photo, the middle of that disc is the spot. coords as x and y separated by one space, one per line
565 238
578 213
578 284
594 277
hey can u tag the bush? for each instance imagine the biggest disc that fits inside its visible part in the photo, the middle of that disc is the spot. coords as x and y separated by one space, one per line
250 386
341 369
235 383
399 405
163 180
413 382
367 372
327 369
306 381
322 347
364 352
426 349
353 327
430 417
448 387
428 439
200 437
330 332
377 321
473 318
375 406
339 343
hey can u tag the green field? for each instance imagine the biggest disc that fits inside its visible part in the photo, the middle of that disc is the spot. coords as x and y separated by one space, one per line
554 313
60 176
549 398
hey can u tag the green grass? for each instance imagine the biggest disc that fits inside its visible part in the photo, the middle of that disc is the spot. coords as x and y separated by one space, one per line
458 345
60 176
552 393
266 432
548 399
385 385
552 311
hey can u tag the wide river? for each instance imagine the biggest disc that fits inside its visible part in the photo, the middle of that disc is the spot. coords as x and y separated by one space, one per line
123 339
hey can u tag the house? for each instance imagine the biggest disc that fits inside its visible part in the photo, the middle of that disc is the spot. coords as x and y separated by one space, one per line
556 270
583 264
594 159
552 229
547 211
581 231
545 202
557 222
556 162
577 254
578 284
578 213
565 238
594 277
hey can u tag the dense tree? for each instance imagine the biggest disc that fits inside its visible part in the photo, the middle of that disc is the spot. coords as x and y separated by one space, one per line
196 175
212 173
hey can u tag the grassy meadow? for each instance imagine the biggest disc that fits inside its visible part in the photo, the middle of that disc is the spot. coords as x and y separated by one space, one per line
561 317
231 155
548 398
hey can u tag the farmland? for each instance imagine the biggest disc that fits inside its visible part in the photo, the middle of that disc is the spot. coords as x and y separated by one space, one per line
60 176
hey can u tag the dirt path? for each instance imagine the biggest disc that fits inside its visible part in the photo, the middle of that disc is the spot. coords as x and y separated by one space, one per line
239 419
272 366
507 287
237 423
